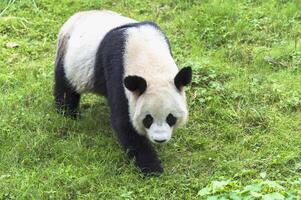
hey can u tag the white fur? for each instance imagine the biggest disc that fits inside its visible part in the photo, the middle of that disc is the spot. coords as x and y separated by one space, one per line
85 31
146 55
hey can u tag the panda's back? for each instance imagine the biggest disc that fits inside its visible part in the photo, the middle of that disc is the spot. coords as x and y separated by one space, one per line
147 53
82 34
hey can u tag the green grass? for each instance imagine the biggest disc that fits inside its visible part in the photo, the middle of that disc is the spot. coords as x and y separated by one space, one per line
245 104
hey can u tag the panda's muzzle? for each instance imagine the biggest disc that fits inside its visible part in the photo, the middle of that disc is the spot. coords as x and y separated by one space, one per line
159 134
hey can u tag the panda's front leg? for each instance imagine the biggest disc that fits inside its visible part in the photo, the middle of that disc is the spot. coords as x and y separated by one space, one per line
145 155
138 148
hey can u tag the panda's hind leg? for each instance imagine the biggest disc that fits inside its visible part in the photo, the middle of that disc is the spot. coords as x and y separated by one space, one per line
72 103
66 98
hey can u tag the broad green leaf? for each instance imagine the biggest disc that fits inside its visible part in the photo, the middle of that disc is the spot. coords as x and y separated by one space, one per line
204 191
219 185
273 196
273 184
263 175
256 187
213 198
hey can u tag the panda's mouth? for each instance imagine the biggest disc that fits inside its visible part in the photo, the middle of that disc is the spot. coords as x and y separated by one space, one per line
160 141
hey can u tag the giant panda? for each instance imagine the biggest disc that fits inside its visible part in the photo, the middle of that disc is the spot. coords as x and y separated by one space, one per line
131 64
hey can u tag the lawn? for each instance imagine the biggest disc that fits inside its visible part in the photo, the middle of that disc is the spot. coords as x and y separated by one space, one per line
243 138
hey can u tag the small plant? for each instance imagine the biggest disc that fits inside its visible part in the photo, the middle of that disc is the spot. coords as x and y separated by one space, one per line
257 189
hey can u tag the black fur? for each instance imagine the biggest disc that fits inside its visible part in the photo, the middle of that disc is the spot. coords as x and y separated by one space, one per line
148 121
183 77
135 84
66 98
171 120
109 65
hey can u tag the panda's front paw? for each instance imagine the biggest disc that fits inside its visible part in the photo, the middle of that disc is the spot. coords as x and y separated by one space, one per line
149 165
73 114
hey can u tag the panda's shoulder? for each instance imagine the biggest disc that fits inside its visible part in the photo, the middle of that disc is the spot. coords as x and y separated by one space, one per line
148 30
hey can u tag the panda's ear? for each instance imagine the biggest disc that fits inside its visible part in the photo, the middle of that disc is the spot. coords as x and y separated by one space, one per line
135 84
183 77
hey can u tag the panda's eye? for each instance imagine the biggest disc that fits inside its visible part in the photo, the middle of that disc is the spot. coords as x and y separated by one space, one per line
147 121
171 120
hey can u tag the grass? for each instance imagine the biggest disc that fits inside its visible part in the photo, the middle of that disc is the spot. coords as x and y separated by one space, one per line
245 104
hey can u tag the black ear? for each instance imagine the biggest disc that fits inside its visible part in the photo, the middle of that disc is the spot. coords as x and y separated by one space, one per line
135 84
183 77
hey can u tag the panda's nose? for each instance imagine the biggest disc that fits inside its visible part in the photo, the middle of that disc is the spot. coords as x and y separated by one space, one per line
160 141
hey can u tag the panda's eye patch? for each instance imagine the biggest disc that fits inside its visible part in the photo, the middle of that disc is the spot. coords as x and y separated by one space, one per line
171 120
147 121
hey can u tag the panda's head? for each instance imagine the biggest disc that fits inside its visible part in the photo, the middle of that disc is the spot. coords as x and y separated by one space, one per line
157 111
